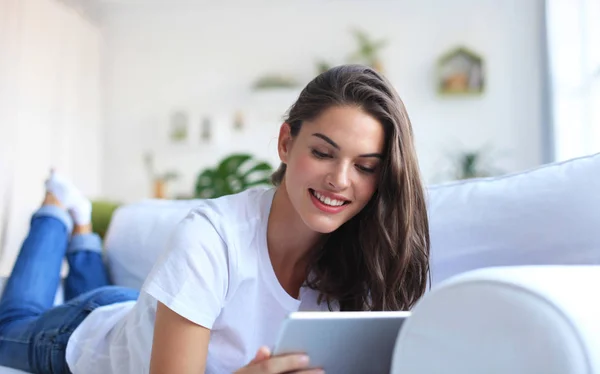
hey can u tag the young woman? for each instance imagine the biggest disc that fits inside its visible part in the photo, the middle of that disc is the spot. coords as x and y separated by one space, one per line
344 228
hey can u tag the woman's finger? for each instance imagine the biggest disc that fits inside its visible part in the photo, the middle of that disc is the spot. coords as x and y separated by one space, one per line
283 364
262 354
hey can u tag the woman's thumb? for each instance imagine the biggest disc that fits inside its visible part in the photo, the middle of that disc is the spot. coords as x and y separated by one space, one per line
262 354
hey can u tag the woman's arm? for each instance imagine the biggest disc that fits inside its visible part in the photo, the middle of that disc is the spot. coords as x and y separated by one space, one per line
179 345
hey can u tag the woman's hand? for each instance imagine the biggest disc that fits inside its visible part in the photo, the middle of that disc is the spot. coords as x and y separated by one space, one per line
264 363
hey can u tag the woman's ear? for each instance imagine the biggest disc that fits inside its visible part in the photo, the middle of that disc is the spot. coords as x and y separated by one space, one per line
284 143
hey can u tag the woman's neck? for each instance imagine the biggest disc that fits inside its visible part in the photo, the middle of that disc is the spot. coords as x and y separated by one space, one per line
289 241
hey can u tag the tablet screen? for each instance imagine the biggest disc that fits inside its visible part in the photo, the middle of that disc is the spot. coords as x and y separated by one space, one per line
342 342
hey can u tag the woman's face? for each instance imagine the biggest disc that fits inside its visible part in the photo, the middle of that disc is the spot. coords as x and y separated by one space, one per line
333 166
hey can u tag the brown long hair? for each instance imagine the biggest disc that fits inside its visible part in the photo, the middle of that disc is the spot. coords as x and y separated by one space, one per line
379 259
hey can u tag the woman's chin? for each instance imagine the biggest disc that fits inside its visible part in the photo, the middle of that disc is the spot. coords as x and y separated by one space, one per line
323 225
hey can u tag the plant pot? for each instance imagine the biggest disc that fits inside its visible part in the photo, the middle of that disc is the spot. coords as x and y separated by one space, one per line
159 189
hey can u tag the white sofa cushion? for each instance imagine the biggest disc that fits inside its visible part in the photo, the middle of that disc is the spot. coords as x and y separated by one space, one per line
547 215
517 320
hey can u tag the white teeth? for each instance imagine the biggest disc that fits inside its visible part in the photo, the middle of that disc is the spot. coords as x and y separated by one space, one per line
327 200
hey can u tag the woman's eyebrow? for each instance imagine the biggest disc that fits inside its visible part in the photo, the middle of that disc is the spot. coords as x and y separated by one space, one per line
377 155
327 139
336 146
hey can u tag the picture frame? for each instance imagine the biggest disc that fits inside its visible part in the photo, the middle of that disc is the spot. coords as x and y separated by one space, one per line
178 126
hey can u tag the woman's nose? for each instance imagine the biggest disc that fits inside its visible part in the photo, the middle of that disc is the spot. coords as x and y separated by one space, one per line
338 178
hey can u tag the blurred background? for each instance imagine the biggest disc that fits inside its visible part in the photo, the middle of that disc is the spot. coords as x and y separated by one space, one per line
183 99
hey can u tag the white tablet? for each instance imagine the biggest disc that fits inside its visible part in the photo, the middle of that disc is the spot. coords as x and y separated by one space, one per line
342 342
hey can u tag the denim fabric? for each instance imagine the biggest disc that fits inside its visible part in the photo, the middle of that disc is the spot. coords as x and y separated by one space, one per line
86 268
33 333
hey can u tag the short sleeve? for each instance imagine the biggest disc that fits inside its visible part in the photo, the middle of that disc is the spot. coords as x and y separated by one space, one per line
191 276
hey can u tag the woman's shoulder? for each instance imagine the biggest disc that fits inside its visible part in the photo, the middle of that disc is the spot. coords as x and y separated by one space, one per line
225 221
241 208
214 236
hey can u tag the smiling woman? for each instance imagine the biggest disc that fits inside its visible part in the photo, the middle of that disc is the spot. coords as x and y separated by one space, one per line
343 228
350 170
326 160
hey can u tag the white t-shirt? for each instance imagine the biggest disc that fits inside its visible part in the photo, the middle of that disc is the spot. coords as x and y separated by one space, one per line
216 272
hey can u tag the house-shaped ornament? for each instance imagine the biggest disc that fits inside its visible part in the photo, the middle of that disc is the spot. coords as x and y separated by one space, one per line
461 72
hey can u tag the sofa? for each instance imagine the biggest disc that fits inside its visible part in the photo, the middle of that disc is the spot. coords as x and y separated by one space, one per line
515 264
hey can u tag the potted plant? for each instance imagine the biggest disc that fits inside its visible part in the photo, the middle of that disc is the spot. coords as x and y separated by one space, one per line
368 50
159 180
473 164
233 174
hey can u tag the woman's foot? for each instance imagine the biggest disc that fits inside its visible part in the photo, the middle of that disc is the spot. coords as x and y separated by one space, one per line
61 190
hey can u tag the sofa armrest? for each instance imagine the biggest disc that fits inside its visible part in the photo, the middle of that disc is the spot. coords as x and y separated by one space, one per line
518 320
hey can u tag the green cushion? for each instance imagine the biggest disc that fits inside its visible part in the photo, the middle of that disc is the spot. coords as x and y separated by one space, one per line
102 212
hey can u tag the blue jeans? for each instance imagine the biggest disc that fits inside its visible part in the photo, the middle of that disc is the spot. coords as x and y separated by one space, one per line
33 333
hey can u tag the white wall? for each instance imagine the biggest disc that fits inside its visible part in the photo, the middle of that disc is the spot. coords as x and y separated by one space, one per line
203 58
50 111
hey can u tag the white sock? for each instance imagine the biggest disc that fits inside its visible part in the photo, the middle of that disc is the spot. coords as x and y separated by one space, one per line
82 212
71 198
60 188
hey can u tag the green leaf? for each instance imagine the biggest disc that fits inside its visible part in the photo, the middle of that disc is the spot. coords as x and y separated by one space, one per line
260 167
232 163
233 174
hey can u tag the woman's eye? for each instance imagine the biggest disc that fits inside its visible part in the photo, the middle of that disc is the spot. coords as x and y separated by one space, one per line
365 169
319 154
